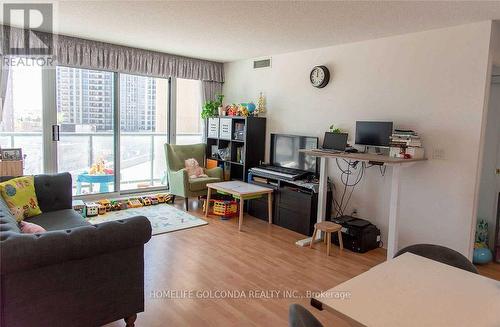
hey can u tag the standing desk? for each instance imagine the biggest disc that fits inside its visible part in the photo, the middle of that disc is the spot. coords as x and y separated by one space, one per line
395 163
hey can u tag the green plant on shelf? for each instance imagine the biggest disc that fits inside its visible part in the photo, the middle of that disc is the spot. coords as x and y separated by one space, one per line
334 129
211 107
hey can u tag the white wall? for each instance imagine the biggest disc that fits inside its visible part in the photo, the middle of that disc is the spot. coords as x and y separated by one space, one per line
433 82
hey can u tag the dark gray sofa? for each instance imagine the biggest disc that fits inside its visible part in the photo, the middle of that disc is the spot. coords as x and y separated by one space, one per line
75 274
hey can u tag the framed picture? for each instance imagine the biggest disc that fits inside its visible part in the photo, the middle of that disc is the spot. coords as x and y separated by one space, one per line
11 154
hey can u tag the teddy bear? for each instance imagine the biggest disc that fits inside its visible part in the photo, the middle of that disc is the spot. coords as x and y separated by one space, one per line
193 168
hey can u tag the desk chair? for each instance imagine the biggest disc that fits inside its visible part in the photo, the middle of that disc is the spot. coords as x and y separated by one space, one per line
441 254
298 316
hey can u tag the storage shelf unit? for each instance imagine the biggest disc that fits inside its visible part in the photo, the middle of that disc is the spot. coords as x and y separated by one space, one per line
246 139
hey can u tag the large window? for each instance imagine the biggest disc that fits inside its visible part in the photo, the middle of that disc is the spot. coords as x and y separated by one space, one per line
85 111
189 124
94 112
143 131
22 118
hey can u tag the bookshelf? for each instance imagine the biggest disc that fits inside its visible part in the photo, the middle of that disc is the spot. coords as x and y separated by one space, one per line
244 142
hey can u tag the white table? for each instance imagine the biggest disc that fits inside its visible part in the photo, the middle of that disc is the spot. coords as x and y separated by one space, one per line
243 191
395 163
415 291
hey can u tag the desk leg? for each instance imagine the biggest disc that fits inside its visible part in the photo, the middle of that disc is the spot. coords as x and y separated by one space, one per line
270 208
240 220
78 187
392 242
322 196
207 204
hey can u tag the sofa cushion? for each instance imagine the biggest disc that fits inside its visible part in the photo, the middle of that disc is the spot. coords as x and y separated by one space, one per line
200 184
61 219
54 191
30 228
19 194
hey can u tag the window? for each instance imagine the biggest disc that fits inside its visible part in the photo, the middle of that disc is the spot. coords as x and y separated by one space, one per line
22 119
143 131
95 111
188 108
85 111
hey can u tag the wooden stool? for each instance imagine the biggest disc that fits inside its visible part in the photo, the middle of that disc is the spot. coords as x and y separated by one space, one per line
328 227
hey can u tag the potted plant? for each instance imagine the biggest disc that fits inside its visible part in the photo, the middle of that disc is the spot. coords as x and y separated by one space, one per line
211 107
334 129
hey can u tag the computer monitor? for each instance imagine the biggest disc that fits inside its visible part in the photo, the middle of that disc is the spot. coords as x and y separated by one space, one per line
335 141
285 152
373 133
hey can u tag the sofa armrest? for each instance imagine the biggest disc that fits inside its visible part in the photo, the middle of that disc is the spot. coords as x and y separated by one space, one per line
215 172
30 251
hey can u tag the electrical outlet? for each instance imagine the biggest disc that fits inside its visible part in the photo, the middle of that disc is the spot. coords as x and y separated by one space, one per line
438 154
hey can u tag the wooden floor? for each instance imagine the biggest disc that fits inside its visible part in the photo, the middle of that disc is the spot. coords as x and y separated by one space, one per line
260 259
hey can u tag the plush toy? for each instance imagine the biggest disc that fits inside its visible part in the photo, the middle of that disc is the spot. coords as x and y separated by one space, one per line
193 168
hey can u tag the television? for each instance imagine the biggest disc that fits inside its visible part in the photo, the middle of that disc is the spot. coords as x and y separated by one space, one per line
373 133
285 152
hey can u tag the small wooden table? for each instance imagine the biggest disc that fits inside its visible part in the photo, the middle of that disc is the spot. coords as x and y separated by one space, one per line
411 290
242 191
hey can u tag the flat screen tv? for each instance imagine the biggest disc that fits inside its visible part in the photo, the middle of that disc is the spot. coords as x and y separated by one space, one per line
285 152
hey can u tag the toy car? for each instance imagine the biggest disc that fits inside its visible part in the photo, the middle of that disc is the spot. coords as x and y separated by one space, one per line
123 205
115 206
134 203
102 209
145 200
161 198
92 209
105 203
79 206
154 200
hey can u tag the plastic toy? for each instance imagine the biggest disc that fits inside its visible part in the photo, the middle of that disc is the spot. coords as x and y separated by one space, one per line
123 204
154 200
161 198
79 206
105 203
145 200
134 203
92 209
115 206
102 209
225 208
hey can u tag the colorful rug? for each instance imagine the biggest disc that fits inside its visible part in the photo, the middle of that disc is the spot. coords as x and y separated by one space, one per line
164 218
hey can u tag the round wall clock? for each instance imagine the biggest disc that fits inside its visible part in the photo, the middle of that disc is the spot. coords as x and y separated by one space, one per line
320 76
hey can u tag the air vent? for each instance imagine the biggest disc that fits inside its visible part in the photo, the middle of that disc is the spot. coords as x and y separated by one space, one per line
263 63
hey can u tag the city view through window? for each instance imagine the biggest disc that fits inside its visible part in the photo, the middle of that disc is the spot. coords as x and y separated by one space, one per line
85 114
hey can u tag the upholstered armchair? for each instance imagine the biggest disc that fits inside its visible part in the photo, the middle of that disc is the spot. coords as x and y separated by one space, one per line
179 181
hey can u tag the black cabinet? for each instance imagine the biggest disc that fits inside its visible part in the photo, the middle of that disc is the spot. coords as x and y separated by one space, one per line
294 207
243 141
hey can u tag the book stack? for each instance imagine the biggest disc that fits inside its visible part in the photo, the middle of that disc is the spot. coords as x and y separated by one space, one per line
405 138
406 144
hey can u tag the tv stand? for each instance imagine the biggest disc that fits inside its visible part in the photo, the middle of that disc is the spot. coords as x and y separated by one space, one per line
295 202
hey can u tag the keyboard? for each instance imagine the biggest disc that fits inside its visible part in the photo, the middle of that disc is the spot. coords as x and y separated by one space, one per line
271 171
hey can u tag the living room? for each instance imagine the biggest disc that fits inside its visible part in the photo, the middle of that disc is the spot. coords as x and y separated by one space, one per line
250 163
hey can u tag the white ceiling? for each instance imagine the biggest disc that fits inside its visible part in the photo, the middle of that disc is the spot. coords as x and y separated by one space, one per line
232 30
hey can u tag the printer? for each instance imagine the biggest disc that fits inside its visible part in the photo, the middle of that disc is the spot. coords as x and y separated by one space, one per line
358 235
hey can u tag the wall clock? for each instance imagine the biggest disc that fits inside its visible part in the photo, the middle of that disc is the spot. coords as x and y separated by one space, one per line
320 76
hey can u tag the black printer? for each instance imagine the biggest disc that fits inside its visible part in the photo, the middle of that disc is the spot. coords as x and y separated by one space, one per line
358 235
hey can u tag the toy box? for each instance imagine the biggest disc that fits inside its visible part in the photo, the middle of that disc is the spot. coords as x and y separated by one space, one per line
92 209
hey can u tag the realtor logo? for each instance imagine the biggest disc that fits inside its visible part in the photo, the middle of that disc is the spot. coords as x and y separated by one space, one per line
33 18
